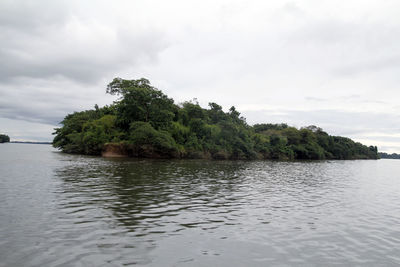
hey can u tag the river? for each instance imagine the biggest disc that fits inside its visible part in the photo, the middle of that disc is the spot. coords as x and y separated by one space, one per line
69 210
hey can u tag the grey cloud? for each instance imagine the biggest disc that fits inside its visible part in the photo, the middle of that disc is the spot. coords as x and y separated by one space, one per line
56 59
329 32
374 65
293 8
385 138
353 98
317 99
43 42
375 101
47 101
30 113
30 16
333 31
347 47
81 65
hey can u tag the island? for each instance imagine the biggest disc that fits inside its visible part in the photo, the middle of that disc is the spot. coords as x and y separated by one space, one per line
144 122
4 138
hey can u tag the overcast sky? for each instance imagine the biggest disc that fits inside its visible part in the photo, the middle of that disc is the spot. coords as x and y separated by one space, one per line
334 64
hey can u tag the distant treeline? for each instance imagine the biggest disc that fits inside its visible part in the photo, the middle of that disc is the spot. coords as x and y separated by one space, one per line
144 122
4 138
31 142
384 155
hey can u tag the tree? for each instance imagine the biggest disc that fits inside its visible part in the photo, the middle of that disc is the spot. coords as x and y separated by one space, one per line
215 113
148 142
4 138
81 131
140 101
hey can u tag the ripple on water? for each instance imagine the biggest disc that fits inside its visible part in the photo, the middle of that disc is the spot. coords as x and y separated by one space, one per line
74 210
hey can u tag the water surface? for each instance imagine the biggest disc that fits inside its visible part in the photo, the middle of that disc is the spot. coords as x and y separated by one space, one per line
67 210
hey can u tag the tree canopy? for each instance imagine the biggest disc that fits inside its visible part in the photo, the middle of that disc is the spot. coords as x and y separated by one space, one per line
146 123
4 138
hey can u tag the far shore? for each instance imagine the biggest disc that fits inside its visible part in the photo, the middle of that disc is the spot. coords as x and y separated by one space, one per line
30 142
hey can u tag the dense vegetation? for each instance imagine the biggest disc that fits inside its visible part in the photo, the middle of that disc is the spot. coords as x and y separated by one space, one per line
144 122
4 138
384 155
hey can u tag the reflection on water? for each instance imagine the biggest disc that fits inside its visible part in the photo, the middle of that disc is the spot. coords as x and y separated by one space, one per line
59 209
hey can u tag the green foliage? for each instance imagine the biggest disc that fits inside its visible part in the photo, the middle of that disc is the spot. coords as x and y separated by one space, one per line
4 138
149 142
269 126
179 132
86 132
141 102
149 124
98 132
